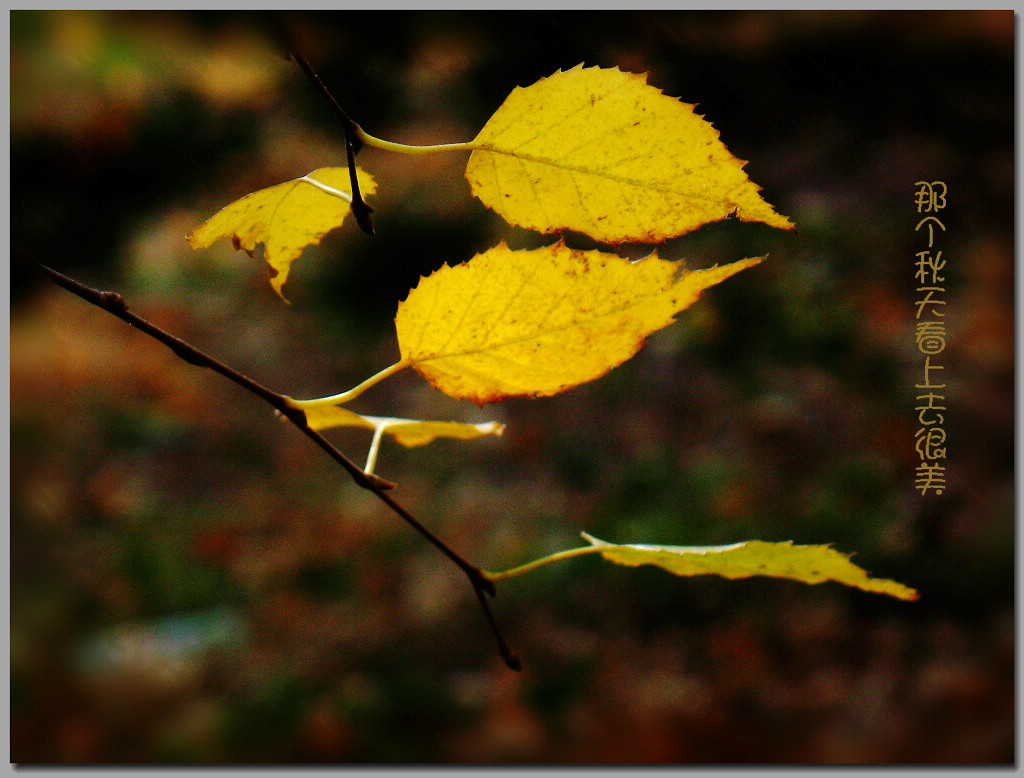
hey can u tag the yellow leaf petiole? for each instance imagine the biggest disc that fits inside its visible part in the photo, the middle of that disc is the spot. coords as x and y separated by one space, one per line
371 455
402 148
351 394
530 566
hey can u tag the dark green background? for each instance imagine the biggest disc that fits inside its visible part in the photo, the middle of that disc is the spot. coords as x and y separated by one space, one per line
193 581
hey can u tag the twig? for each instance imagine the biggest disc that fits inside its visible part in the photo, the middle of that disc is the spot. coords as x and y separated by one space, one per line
115 304
362 211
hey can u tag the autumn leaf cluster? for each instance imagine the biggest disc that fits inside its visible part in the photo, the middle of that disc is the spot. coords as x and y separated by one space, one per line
593 151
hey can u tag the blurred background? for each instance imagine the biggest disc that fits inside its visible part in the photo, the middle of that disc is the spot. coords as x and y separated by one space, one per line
193 581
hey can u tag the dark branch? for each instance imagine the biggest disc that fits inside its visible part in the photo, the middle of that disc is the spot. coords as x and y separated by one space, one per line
115 304
362 211
506 653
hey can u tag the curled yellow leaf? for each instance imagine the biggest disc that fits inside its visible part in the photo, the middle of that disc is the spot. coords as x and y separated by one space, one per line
408 432
809 564
599 151
537 322
321 415
285 218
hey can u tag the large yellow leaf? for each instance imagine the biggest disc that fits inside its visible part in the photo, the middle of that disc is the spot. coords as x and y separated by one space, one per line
285 218
601 152
809 564
535 323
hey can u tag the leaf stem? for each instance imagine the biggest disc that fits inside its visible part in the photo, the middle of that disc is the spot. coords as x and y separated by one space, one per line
351 394
115 304
547 560
356 135
371 455
402 148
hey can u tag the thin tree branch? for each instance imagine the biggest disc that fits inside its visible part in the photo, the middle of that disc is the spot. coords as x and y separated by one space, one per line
506 653
115 304
362 211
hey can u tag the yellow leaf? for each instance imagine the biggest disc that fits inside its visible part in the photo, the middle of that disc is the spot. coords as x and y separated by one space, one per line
601 152
809 564
286 217
535 323
408 432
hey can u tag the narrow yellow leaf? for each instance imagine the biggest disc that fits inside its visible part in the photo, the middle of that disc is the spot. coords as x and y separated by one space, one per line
537 322
601 152
809 564
285 218
408 432
412 433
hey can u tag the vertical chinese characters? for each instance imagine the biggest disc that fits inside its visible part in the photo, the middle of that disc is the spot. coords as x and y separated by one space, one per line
930 337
